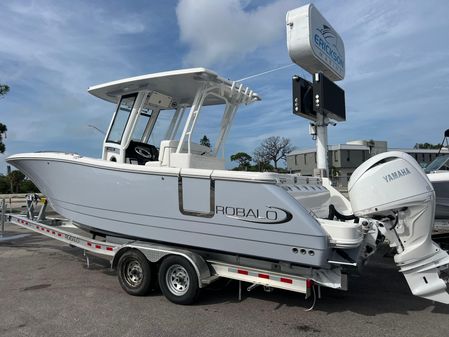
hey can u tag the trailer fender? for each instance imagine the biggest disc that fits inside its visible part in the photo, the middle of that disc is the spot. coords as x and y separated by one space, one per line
154 254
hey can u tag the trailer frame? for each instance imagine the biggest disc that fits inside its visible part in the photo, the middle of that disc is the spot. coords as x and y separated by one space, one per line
208 266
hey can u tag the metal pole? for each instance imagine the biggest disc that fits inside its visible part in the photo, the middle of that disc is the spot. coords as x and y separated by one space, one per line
321 145
3 216
41 216
240 290
321 131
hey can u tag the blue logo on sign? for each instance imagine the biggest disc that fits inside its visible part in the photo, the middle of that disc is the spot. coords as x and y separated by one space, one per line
328 42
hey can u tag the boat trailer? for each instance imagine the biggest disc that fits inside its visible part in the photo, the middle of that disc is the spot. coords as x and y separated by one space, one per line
186 272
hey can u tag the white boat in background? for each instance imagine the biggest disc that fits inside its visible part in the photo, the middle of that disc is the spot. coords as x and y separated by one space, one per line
438 173
440 182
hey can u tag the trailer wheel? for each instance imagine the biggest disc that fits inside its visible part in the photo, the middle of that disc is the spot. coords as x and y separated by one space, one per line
134 273
178 280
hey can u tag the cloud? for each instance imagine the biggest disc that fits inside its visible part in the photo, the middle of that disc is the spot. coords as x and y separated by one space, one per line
64 40
225 31
50 53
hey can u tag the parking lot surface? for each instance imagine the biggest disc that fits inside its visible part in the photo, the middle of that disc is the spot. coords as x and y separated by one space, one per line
46 289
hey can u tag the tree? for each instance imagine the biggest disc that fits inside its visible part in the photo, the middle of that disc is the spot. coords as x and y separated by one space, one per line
4 184
262 164
27 186
244 160
3 129
273 149
15 179
4 89
205 141
426 146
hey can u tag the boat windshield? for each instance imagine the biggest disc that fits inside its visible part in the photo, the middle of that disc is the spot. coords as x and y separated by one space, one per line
121 118
152 126
141 125
161 127
438 164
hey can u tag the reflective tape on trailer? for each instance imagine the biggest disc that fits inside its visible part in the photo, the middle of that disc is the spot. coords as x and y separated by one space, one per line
263 277
100 246
65 236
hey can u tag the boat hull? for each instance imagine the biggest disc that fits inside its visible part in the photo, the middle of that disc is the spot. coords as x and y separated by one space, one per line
197 208
440 183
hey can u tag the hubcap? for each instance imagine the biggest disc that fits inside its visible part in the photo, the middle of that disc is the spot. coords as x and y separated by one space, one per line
133 273
177 280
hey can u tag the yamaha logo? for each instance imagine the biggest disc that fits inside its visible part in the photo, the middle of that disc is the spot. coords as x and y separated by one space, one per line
397 174
269 215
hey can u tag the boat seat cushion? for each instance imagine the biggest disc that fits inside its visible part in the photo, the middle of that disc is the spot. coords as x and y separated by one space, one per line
169 146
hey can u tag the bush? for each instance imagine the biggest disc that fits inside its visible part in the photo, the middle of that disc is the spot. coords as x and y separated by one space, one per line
4 185
19 186
27 186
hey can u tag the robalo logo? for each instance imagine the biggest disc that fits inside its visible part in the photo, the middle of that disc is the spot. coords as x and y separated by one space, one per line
269 215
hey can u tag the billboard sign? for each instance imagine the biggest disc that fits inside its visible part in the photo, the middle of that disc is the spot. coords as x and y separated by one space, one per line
322 96
313 43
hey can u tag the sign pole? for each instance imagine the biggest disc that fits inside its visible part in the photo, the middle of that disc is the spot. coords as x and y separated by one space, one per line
321 146
321 131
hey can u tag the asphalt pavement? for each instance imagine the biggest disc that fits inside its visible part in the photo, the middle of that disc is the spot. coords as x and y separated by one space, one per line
47 290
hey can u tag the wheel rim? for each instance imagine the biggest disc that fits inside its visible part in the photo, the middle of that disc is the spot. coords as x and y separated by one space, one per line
177 280
133 273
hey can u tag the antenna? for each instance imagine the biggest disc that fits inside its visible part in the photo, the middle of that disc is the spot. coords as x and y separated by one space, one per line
445 138
94 127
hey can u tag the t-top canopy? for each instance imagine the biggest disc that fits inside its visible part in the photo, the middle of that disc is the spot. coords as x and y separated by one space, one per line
181 84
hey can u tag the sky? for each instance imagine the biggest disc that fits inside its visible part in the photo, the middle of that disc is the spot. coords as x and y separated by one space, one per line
396 84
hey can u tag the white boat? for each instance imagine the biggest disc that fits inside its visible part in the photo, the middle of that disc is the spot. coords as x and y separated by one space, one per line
438 173
177 191
155 183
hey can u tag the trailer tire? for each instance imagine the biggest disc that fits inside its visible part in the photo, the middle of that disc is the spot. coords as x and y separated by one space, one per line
178 280
135 273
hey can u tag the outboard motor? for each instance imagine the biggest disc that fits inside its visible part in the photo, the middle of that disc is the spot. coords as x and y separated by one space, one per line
394 190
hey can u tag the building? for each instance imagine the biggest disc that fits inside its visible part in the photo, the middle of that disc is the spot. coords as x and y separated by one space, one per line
343 159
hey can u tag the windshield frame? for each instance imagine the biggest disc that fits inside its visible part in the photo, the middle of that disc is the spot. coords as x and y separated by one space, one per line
118 110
